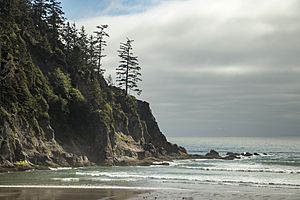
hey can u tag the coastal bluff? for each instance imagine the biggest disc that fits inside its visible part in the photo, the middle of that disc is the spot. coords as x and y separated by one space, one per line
123 132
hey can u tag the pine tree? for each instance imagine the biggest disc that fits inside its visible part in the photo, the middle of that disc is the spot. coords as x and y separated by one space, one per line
23 14
99 45
128 72
6 9
69 40
39 13
92 59
110 81
83 43
55 21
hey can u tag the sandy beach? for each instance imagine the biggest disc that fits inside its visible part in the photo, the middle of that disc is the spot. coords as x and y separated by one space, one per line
213 192
30 193
222 193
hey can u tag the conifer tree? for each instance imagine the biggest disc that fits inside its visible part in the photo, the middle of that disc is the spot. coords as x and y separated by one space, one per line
23 13
83 43
109 80
69 39
40 8
99 46
91 54
128 72
55 21
5 8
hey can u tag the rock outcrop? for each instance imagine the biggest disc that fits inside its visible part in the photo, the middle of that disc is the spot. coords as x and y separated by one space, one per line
123 132
213 154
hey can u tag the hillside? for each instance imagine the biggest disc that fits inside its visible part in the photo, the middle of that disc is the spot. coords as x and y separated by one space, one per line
55 109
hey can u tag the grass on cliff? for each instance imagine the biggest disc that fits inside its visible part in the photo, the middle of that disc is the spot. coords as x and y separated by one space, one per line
23 163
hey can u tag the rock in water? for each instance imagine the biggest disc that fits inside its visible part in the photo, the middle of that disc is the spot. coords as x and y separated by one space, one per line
232 154
213 154
247 154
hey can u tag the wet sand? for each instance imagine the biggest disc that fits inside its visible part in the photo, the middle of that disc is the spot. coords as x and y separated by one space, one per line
205 192
222 192
65 194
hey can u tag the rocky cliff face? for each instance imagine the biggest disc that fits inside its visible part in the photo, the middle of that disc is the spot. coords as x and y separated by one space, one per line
74 133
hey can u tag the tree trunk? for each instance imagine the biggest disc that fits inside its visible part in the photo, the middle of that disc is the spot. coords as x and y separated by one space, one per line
127 72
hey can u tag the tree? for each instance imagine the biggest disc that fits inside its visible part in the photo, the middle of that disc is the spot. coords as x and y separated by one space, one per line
110 80
55 21
40 8
83 43
92 61
6 9
23 12
83 40
100 44
128 72
69 39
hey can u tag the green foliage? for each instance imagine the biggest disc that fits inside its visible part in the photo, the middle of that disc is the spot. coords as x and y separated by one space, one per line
124 138
4 114
76 95
59 105
52 71
59 55
108 108
23 163
100 43
61 83
128 72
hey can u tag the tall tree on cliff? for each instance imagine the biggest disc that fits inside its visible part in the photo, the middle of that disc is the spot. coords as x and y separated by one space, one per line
100 44
83 43
17 10
39 14
55 19
91 56
6 13
128 72
69 39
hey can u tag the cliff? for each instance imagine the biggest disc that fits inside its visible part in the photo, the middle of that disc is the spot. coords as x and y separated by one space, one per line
76 127
54 110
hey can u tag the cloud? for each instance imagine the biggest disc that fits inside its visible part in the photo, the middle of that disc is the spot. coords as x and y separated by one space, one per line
122 7
219 67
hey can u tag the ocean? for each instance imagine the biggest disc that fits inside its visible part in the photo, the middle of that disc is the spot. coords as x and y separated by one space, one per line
279 168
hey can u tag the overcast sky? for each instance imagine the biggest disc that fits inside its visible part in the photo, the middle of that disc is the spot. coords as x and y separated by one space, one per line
209 67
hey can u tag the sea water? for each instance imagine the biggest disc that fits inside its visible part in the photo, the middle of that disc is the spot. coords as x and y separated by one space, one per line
278 165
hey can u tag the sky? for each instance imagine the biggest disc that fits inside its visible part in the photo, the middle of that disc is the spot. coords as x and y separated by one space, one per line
209 67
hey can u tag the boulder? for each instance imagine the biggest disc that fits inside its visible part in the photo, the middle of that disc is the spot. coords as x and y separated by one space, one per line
213 154
232 154
247 154
231 157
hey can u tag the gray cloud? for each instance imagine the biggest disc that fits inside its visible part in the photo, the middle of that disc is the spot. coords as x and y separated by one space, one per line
226 67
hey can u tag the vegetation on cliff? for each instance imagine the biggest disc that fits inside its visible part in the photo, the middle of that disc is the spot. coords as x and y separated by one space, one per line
55 106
